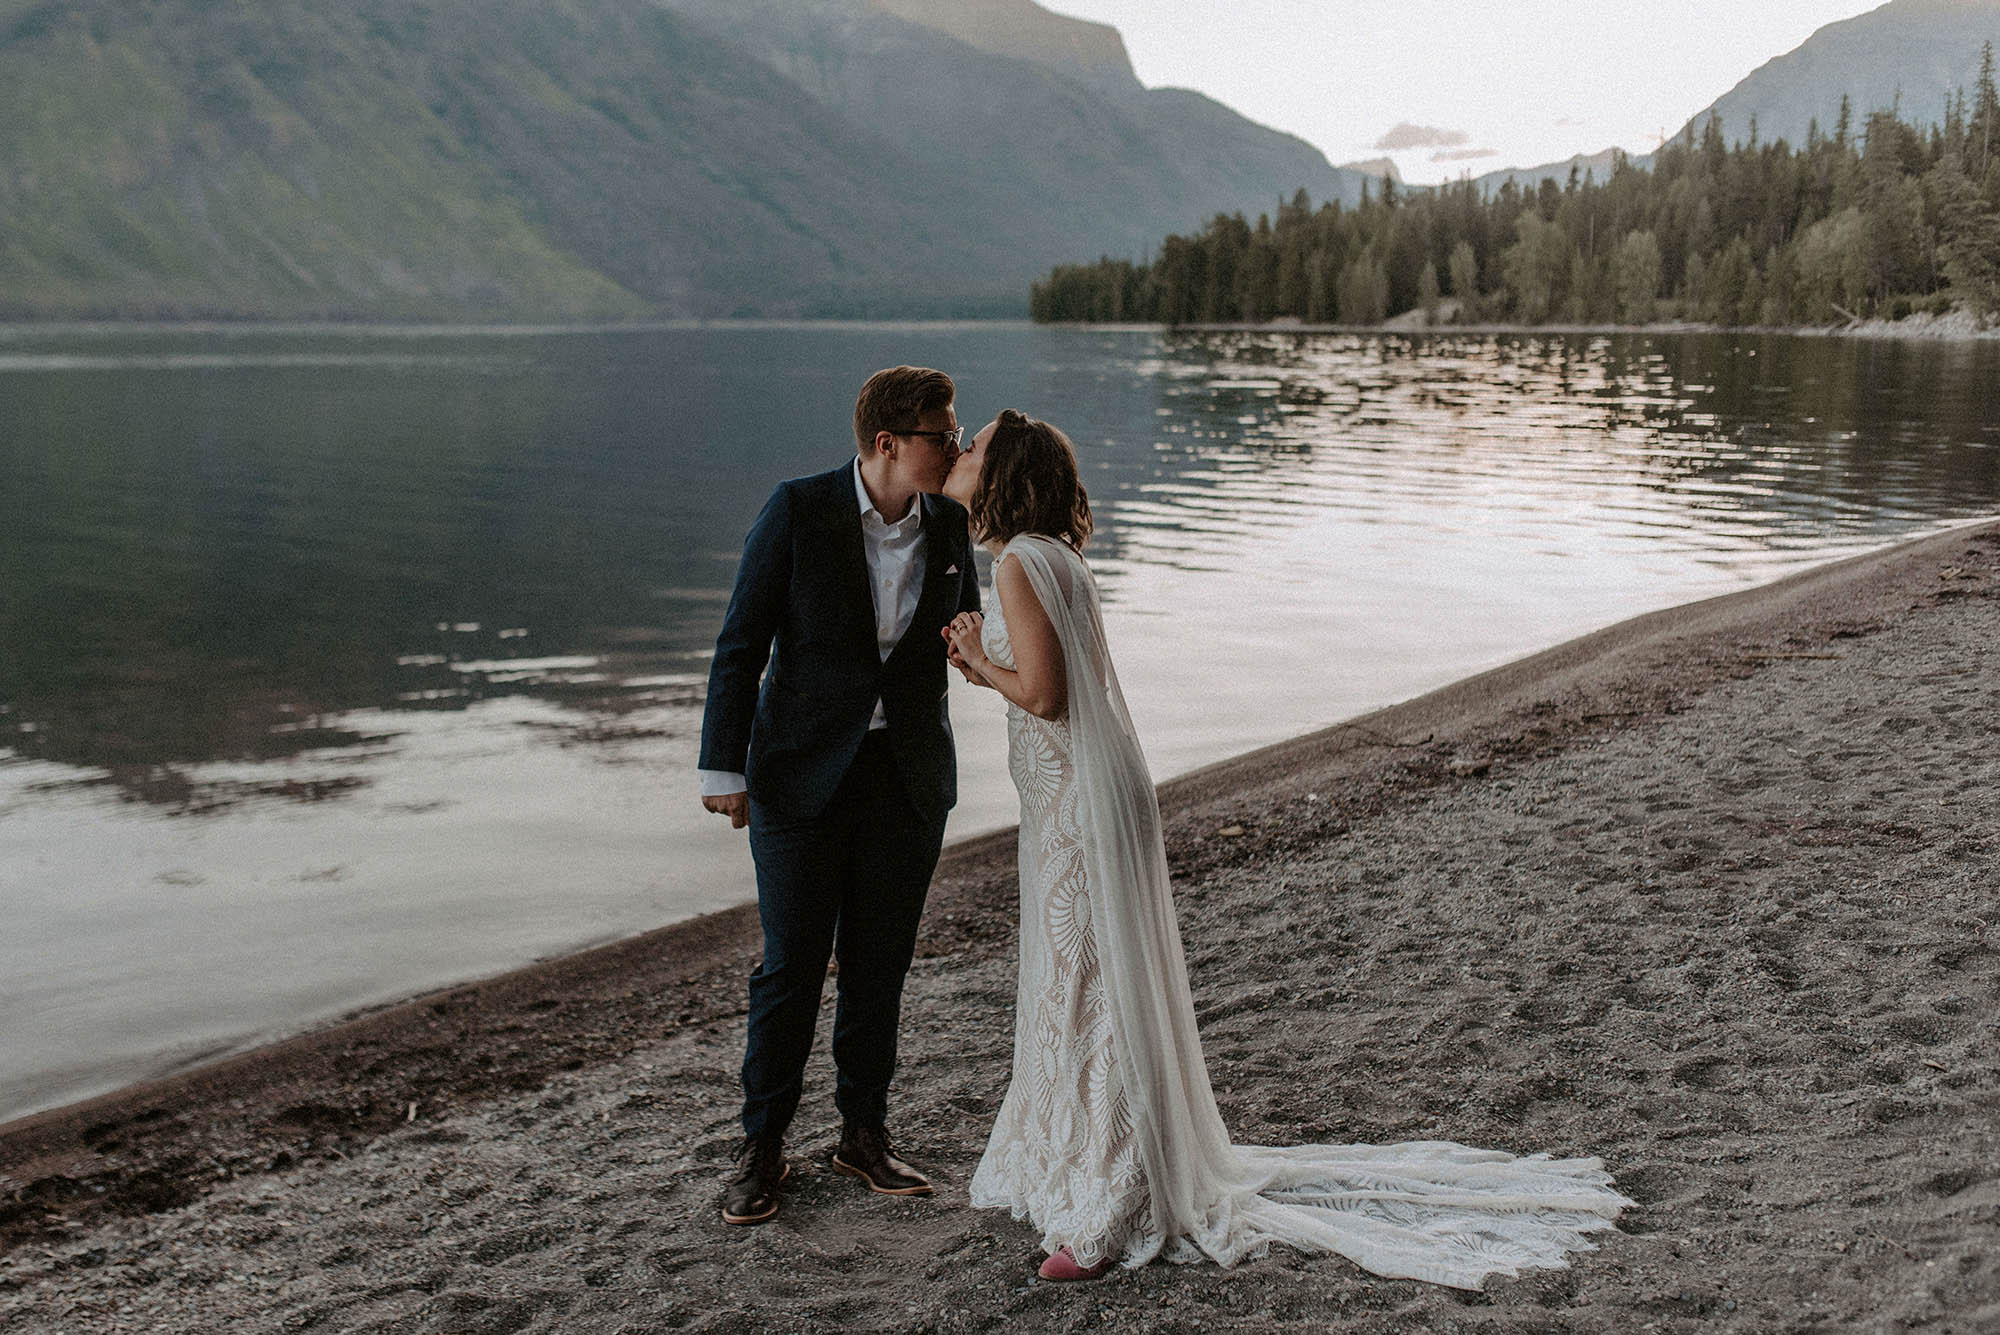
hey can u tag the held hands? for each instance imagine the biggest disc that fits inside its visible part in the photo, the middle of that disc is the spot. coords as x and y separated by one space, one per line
963 647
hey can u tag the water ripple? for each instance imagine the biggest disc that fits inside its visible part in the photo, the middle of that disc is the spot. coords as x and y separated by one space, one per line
1593 444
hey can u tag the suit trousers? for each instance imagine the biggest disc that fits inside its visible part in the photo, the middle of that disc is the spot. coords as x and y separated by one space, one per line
847 884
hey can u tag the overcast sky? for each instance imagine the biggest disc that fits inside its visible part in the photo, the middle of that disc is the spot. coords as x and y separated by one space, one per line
1475 86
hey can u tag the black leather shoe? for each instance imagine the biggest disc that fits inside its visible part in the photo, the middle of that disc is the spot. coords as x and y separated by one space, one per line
752 1195
864 1153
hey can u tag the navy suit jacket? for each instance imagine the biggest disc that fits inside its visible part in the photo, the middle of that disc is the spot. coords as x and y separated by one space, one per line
802 604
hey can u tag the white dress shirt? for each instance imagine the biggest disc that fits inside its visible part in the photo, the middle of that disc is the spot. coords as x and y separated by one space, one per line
895 551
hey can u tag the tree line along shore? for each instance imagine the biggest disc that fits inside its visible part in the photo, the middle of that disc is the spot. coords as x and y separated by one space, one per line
1880 221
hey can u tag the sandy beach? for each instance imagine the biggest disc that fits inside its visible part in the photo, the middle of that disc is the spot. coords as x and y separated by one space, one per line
1713 894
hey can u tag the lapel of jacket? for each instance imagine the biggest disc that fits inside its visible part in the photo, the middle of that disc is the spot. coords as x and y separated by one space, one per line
846 555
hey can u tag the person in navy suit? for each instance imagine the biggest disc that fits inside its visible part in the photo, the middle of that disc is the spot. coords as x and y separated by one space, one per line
839 759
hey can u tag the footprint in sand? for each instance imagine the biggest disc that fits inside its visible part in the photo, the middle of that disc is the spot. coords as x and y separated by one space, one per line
1923 1030
1703 1072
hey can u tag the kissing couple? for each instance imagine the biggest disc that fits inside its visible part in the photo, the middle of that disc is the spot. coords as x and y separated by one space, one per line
827 735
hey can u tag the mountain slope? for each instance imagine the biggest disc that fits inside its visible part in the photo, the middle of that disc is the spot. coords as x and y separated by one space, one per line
576 159
1034 140
1908 54
1023 30
149 165
560 158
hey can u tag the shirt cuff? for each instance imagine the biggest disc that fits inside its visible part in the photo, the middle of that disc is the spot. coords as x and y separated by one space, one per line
722 782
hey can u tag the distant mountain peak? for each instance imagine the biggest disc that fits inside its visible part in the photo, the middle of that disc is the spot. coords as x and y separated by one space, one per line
1597 165
1911 55
1023 30
1376 168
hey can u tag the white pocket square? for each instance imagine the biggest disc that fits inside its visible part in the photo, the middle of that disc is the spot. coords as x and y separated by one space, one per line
952 571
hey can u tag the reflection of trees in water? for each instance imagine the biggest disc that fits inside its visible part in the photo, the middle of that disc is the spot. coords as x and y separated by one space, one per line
1865 432
146 739
181 794
1782 432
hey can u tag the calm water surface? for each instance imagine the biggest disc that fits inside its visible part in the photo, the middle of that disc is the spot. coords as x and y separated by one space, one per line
339 664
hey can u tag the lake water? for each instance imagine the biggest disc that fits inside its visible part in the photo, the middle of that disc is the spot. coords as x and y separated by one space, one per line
338 664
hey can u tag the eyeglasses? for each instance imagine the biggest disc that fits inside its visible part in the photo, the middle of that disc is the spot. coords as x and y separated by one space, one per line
950 438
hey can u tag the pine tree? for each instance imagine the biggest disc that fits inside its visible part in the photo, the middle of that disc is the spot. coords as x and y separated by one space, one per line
1724 284
1225 245
1713 149
1986 111
1968 236
1536 267
1364 290
1257 280
1320 278
1635 277
1463 268
1896 252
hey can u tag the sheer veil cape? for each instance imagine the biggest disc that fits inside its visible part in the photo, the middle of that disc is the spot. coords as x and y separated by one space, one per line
1427 1210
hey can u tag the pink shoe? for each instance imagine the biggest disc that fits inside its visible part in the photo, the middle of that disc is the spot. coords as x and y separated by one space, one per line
1062 1267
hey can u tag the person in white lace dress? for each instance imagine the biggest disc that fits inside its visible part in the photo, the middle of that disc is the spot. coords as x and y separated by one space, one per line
1108 1138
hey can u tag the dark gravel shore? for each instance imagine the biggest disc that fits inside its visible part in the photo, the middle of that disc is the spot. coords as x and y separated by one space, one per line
1714 894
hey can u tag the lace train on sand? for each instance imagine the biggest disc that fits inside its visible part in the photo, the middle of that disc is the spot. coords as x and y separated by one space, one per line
1108 1138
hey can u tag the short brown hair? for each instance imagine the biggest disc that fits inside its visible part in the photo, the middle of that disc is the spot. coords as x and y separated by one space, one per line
1029 484
895 400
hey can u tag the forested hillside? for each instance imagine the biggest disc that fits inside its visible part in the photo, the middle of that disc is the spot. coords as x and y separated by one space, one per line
1878 218
425 158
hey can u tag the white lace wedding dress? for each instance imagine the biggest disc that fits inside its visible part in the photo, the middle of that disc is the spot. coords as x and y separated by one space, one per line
1109 1138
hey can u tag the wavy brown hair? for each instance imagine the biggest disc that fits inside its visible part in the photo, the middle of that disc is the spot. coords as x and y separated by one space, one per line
1028 483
